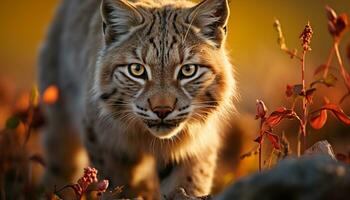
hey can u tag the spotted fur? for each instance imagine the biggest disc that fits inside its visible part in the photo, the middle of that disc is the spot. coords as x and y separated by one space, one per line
131 124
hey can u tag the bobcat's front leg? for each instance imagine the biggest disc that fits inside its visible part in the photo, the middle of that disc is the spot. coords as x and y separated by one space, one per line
195 176
134 171
135 174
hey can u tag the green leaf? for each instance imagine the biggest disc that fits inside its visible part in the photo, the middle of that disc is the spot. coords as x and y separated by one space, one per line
330 80
12 122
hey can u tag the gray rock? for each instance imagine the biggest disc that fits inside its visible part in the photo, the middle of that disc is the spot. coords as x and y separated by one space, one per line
320 148
307 178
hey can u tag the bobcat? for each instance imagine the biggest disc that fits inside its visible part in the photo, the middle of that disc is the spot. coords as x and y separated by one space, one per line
145 86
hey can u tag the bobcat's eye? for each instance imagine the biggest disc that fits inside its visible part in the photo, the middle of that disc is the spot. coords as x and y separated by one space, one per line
187 71
137 70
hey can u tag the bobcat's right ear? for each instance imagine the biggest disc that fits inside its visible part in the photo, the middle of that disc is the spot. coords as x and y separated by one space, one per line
119 17
211 17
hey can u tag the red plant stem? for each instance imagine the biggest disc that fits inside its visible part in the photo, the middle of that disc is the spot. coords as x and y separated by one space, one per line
270 158
293 104
292 54
299 143
29 123
344 97
299 135
328 63
343 72
260 143
260 149
304 117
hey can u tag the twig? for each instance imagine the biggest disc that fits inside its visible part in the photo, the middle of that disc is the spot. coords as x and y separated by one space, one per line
292 54
344 97
343 72
305 37
262 120
29 123
328 63
304 118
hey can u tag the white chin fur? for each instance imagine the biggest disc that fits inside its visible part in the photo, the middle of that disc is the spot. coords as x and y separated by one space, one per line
166 133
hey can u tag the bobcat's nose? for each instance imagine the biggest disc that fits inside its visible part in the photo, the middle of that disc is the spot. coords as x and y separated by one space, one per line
162 111
162 104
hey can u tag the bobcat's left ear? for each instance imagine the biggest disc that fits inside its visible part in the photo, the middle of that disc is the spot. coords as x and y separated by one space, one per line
211 17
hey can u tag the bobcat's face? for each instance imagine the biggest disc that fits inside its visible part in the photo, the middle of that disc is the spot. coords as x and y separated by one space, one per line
163 66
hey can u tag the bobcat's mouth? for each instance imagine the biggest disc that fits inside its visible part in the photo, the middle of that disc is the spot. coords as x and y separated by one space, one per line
164 130
162 125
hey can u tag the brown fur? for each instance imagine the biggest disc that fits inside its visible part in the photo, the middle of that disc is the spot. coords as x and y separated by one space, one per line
87 56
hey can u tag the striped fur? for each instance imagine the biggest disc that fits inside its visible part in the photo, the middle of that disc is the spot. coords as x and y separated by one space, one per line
122 128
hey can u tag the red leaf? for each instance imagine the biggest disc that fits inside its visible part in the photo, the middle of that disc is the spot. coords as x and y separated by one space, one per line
342 24
318 121
275 117
260 109
259 139
294 90
310 94
289 90
273 120
320 69
338 112
331 14
274 139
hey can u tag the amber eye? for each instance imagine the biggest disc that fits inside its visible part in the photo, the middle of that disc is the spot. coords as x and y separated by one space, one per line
188 71
137 70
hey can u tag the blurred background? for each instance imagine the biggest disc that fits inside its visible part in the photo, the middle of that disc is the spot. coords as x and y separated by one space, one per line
262 69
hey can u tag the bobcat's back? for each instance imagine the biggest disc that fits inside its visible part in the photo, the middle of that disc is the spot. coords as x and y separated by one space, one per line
65 57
